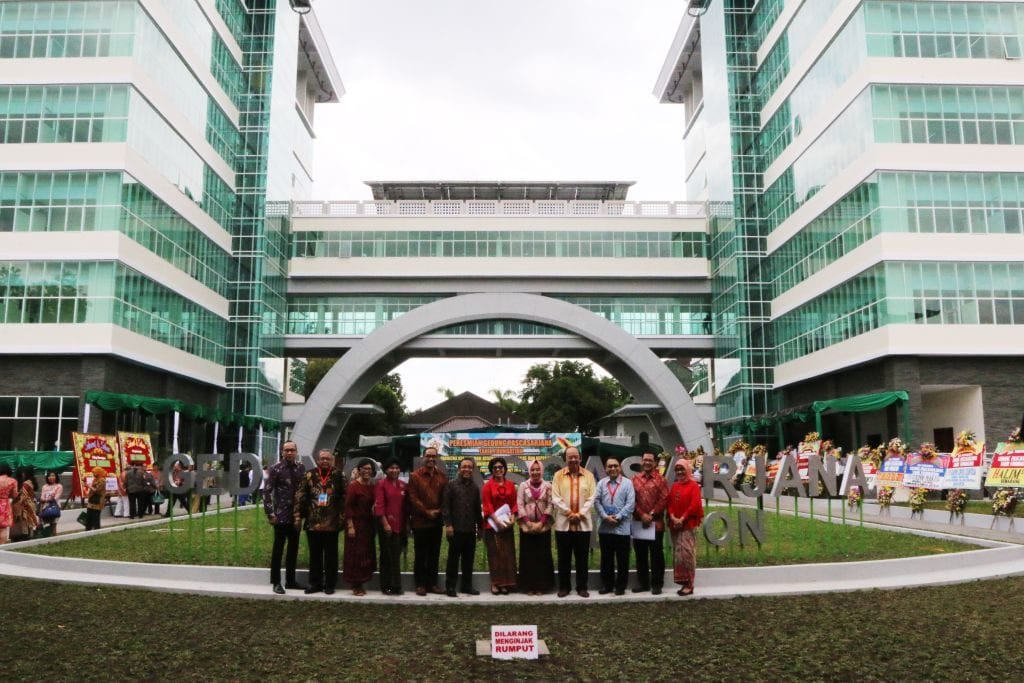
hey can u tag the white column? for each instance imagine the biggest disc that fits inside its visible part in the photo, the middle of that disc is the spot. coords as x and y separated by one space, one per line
240 428
177 421
259 442
85 419
216 433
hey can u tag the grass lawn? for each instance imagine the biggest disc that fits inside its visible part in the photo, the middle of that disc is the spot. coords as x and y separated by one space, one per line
62 632
789 540
981 507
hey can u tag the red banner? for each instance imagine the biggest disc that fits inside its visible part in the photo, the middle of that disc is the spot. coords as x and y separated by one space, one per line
94 450
135 449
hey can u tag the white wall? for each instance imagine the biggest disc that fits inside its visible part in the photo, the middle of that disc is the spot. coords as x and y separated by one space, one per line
960 408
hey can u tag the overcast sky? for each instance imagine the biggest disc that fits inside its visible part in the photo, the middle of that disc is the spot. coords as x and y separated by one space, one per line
489 90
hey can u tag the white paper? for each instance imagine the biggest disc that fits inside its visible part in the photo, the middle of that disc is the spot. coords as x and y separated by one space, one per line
638 531
500 518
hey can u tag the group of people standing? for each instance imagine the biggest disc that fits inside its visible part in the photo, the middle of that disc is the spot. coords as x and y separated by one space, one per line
325 503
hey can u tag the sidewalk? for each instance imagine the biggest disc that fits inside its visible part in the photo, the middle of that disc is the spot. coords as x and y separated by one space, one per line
68 522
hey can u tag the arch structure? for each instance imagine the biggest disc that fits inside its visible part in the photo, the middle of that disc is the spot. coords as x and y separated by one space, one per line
639 370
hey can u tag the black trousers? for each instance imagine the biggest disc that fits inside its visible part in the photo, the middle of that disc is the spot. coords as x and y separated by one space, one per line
284 533
136 504
427 547
390 562
323 558
461 549
650 561
614 561
572 545
92 519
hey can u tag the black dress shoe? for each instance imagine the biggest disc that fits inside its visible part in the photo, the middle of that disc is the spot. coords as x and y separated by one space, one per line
656 590
604 591
470 591
311 590
279 589
294 586
641 589
328 591
451 593
583 593
620 591
562 594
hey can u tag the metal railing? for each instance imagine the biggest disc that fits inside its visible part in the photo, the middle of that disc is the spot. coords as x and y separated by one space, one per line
484 207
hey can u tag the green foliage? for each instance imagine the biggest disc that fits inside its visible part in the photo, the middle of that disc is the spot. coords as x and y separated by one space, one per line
801 637
297 375
565 396
389 394
446 392
506 398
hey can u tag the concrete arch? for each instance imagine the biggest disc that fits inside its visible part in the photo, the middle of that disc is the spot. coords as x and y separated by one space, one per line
639 370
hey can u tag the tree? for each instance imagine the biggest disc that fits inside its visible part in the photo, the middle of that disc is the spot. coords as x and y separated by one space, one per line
446 392
389 394
506 398
566 396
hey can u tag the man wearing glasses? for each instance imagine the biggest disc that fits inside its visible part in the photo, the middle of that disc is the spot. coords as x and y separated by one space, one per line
283 481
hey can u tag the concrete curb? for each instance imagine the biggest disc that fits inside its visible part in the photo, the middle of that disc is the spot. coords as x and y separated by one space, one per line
236 582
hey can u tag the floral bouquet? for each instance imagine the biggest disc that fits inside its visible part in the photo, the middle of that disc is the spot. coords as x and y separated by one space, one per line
1004 502
812 436
896 446
927 451
854 497
885 496
740 445
917 498
1015 436
760 451
956 501
965 439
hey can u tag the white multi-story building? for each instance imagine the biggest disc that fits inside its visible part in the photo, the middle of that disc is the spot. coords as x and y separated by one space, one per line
140 141
868 155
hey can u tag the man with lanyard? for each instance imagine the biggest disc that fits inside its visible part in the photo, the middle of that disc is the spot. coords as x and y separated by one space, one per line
320 500
283 481
426 484
572 492
615 502
651 500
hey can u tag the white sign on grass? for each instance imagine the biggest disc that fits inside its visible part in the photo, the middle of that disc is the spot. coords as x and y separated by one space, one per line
514 642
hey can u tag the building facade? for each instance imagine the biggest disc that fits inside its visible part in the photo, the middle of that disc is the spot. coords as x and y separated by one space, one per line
867 158
510 269
141 140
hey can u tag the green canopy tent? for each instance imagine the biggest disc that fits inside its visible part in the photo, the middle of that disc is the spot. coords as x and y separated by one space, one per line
865 403
40 460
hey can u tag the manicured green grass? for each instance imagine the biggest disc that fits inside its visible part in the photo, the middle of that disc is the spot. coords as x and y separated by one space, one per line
121 634
789 540
981 507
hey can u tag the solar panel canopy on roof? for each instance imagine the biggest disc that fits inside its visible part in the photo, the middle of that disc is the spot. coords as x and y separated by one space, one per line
454 190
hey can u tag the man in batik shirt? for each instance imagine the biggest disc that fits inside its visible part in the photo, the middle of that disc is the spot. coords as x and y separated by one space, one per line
283 481
320 501
651 499
572 493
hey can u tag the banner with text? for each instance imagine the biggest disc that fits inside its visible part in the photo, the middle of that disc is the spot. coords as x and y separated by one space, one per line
95 450
482 446
1007 469
891 472
965 466
136 449
924 473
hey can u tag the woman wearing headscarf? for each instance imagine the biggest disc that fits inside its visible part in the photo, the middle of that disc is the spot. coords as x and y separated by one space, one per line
685 514
360 557
536 566
96 498
499 532
24 513
8 490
